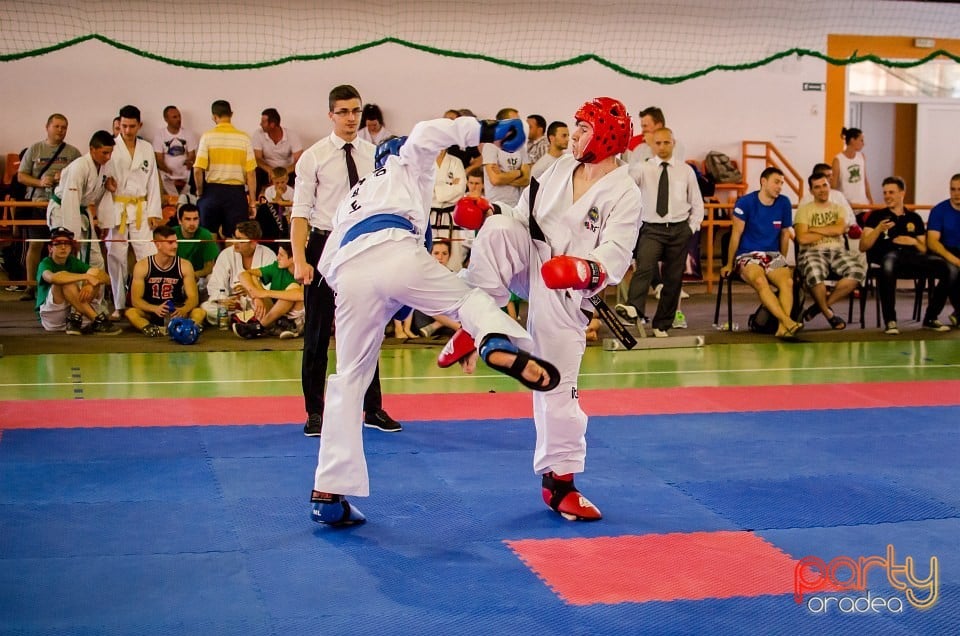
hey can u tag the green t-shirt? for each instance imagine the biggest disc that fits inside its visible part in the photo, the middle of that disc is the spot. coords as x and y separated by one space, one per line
197 253
73 265
278 279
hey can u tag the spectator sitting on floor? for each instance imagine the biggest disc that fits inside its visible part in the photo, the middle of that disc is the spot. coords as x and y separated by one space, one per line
163 287
277 310
223 284
196 244
66 287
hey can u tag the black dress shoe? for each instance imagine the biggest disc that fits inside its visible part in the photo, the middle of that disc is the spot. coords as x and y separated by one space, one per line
381 420
313 425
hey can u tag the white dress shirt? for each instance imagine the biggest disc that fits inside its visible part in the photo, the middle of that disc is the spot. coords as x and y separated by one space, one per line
686 202
322 180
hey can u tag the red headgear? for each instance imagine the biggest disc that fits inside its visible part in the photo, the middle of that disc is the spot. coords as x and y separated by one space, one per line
612 128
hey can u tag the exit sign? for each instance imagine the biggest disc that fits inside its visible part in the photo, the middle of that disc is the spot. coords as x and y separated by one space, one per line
813 86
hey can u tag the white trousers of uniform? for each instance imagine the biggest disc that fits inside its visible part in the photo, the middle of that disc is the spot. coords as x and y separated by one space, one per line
370 288
79 224
505 258
118 245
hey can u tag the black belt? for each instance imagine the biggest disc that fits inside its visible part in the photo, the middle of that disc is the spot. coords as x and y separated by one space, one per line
666 224
439 224
319 232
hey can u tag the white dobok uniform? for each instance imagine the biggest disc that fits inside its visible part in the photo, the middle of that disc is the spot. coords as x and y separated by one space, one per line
137 198
224 280
445 196
81 186
602 226
378 272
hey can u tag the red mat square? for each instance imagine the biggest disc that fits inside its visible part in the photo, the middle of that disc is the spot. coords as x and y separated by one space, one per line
658 567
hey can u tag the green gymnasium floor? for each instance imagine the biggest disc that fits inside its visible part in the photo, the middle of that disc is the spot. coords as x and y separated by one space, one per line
411 370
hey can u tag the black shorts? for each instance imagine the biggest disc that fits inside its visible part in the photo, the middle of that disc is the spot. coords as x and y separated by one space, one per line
41 232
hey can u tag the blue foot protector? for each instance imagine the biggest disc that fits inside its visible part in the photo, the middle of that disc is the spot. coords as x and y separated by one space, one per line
497 342
334 510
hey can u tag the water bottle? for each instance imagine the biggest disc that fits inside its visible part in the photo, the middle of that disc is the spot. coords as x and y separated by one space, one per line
168 303
223 318
726 326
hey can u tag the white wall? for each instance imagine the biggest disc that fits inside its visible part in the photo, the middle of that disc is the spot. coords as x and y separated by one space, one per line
937 126
877 120
90 81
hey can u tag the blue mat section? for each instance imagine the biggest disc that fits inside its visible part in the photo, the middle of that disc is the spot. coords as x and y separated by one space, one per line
207 530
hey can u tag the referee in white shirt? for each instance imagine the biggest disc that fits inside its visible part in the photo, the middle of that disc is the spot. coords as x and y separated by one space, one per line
672 212
325 173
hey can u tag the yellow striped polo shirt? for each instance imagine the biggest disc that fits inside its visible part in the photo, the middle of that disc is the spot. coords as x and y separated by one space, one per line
226 154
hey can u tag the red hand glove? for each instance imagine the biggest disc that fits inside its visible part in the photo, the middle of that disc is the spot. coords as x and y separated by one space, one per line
570 272
470 213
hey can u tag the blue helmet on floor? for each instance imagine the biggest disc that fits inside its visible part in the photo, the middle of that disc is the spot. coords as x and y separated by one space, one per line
386 148
183 331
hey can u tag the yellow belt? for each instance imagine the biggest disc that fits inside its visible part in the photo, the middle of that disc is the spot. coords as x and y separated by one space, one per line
125 202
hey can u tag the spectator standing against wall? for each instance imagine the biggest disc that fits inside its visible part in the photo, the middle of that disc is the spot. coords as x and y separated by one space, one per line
40 169
224 174
850 169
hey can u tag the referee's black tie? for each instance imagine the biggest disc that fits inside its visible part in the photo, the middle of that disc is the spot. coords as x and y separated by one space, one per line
663 191
351 165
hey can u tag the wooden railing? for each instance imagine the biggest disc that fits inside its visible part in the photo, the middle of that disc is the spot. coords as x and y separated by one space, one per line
9 216
771 157
8 219
715 215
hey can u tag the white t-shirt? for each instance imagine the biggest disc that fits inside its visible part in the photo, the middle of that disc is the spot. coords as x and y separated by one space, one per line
280 154
175 147
270 194
507 161
853 178
377 139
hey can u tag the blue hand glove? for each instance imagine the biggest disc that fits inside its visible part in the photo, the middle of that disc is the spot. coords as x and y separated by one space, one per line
508 131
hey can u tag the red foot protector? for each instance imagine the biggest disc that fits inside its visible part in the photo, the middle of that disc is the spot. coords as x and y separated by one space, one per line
659 567
457 348
560 494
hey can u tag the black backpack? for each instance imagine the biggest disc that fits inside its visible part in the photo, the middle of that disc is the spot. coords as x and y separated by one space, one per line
762 321
16 190
708 187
